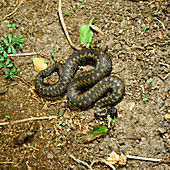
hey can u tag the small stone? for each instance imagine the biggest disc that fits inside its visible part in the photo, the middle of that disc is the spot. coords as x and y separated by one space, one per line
50 156
161 130
120 31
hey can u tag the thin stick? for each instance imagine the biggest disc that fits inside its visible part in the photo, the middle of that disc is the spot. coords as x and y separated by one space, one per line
7 162
104 161
97 29
24 54
64 28
24 82
82 162
143 158
166 76
160 22
21 2
164 64
29 119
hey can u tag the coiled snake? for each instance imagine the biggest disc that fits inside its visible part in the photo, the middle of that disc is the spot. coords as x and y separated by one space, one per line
104 90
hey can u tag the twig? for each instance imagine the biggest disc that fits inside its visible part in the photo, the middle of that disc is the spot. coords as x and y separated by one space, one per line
7 162
164 64
104 161
143 158
24 81
29 119
139 47
82 162
164 77
32 89
160 22
24 54
64 28
97 29
21 2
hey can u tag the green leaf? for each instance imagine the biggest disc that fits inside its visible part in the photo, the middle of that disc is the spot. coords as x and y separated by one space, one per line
1 65
1 47
10 37
96 132
6 41
7 62
9 50
21 37
8 25
13 70
5 54
7 73
13 50
86 34
12 75
20 46
13 25
2 59
10 65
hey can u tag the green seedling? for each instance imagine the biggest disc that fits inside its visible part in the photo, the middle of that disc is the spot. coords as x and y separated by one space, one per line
119 53
18 40
8 46
149 80
69 102
45 61
144 98
11 25
86 34
10 73
52 53
159 12
58 48
74 8
7 116
51 61
144 29
80 67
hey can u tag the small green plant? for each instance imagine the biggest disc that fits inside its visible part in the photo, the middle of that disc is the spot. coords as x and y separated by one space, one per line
8 46
52 53
144 29
11 25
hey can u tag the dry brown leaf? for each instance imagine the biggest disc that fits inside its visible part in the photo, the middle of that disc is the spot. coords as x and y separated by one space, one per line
114 158
159 35
39 64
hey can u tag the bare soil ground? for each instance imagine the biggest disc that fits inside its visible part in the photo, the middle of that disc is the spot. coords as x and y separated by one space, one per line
136 38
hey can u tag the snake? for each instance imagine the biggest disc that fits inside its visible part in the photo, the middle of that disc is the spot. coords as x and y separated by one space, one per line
96 88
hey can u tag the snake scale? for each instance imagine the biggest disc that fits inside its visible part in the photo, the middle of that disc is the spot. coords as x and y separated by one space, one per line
97 88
